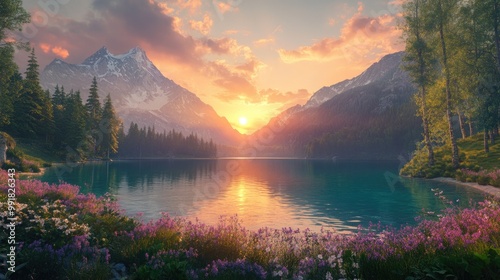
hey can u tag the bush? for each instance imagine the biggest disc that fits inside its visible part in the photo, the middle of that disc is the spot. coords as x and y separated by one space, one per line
8 165
483 180
66 235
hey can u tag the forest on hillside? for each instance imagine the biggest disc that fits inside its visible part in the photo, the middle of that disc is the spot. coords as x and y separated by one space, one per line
61 122
453 57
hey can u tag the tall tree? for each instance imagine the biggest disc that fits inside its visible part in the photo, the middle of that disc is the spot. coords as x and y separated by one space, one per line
110 128
439 20
12 16
76 115
420 63
59 104
33 116
94 113
7 70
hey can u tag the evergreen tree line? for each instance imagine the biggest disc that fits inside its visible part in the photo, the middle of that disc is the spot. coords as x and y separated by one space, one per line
85 130
453 57
146 142
60 120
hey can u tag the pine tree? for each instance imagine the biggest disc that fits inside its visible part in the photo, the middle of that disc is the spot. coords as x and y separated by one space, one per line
110 128
75 116
7 70
94 113
33 116
59 104
13 15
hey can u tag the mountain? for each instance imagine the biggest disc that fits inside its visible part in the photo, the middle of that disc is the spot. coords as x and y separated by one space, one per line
369 116
141 94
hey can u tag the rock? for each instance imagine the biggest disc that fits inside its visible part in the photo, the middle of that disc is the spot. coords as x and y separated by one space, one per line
119 272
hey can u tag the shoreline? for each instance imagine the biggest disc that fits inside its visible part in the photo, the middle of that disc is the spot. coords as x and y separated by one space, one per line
487 189
30 174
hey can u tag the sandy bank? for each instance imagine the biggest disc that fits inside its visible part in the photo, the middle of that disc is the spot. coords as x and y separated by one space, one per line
486 189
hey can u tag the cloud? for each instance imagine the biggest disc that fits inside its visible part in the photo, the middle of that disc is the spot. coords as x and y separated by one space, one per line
236 85
224 46
59 51
251 66
361 37
223 7
204 26
264 42
123 24
285 99
191 5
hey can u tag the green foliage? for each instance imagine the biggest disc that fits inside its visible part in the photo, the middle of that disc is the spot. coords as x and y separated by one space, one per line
139 143
11 143
480 266
110 124
384 135
173 267
472 157
94 116
12 17
8 69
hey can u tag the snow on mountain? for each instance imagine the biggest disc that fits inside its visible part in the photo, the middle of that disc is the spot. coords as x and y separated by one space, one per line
386 69
376 104
140 93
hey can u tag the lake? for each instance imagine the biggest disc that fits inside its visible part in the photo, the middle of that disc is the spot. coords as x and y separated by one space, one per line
336 195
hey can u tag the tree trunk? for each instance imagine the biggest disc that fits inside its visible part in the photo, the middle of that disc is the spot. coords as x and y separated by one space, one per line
471 129
462 124
454 148
425 120
3 150
485 141
427 137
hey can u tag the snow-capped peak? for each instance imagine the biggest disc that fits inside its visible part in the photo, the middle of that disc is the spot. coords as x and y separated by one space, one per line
140 93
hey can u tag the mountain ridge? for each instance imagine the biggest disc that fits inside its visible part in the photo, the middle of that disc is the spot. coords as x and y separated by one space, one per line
346 118
141 94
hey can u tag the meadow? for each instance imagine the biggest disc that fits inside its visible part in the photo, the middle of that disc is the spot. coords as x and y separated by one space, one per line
63 234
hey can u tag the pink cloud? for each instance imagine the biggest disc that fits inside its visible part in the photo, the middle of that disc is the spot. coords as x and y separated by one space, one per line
204 26
361 37
57 50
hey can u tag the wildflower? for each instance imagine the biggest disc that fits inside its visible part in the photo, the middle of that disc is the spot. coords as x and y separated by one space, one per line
329 276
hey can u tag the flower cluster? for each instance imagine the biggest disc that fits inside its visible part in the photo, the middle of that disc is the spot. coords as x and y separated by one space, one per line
482 177
82 236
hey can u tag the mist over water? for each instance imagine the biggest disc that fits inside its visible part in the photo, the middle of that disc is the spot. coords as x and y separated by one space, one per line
276 193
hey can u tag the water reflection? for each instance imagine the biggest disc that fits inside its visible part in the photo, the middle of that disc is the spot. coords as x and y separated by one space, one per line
273 193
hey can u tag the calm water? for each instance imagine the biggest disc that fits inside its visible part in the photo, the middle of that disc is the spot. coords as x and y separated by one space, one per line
265 192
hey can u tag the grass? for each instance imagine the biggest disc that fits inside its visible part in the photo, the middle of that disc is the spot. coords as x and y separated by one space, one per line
472 157
473 149
62 234
37 151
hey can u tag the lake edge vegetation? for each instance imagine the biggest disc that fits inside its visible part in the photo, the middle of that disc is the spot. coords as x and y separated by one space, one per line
67 235
453 58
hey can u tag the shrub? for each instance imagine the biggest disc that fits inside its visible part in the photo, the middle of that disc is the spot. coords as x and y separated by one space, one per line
483 180
68 235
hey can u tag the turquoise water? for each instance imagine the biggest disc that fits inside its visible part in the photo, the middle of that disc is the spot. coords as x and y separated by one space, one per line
275 193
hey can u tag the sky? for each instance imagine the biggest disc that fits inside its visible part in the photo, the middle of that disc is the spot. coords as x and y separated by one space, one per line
248 59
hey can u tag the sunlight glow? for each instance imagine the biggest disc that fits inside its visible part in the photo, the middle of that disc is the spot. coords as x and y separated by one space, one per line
243 121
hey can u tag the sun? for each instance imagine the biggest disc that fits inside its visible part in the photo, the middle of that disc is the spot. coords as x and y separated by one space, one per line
243 121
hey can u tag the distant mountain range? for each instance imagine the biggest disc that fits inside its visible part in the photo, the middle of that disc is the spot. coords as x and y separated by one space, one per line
369 116
141 94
